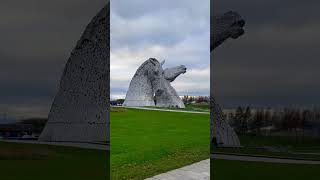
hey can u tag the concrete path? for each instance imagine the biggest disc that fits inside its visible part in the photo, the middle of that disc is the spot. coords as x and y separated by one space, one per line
197 171
98 146
262 159
168 110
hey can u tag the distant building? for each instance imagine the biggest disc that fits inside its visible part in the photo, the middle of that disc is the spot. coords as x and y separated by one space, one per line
8 131
117 102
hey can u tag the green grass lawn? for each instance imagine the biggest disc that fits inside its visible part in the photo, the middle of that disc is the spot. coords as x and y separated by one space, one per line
289 146
146 143
39 162
240 170
279 147
229 170
198 107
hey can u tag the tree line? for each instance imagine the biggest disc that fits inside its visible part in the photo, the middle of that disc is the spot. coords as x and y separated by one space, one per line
246 121
186 99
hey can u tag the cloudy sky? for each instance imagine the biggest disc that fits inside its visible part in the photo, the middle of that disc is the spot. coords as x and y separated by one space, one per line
177 31
37 37
277 61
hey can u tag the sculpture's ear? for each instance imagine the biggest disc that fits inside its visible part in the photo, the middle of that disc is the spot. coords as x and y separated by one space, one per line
162 62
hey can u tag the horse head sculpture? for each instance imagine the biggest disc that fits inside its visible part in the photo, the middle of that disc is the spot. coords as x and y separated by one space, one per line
79 112
150 86
227 25
171 74
166 95
144 83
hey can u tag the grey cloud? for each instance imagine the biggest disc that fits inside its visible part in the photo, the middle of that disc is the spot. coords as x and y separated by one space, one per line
261 12
37 37
276 61
137 8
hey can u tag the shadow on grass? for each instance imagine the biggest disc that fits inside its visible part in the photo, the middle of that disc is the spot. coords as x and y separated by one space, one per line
38 162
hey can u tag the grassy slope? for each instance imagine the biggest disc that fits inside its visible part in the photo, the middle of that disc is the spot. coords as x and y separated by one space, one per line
295 149
230 170
38 162
146 143
198 107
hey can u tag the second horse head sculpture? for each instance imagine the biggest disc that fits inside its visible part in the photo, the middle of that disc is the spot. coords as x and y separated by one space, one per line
150 86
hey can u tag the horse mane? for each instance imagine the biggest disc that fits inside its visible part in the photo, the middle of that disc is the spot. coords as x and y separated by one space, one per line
150 60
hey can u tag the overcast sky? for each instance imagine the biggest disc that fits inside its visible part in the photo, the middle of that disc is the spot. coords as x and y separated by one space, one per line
277 61
37 37
177 31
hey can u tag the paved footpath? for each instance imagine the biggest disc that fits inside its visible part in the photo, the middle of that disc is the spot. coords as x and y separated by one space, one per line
167 110
98 146
262 159
196 171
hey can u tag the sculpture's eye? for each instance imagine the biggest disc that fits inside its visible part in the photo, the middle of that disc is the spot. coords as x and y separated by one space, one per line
156 71
159 92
